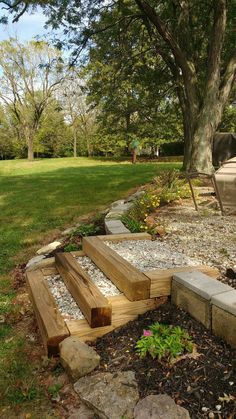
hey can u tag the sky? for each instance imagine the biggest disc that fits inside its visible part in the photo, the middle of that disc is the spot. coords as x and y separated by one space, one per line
28 27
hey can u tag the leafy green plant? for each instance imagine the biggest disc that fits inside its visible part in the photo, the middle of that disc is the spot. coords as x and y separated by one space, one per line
86 230
72 247
170 186
54 389
133 225
164 342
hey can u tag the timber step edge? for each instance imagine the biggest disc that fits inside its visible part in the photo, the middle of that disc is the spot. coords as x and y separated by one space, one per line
95 307
128 279
51 324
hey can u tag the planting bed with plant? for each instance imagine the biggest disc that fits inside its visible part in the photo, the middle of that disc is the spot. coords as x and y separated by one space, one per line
169 186
172 353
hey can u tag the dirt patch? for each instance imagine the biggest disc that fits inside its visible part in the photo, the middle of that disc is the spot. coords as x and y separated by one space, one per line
196 384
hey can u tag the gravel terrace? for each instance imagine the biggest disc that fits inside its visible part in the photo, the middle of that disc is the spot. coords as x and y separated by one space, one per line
191 239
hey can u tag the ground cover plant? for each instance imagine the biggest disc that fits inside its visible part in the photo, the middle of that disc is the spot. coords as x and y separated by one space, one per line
39 199
164 342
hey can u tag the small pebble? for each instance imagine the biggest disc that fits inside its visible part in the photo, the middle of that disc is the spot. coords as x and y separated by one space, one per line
205 409
218 407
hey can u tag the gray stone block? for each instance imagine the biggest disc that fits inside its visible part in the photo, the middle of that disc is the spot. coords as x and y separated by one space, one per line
226 301
201 284
115 227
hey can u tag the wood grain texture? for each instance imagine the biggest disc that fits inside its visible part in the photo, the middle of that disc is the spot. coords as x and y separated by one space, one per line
125 237
123 311
90 300
52 326
129 280
161 278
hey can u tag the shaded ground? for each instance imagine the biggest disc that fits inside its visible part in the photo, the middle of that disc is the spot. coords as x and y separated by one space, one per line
193 383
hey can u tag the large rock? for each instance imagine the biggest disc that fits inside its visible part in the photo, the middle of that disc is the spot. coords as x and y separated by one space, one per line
49 248
159 406
111 396
77 358
34 261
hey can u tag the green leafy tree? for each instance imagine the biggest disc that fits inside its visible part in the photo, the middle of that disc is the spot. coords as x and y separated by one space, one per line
30 74
195 40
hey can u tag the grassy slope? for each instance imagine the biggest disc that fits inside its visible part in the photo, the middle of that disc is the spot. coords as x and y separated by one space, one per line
37 200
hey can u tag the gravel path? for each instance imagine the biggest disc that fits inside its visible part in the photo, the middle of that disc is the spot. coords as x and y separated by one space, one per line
208 237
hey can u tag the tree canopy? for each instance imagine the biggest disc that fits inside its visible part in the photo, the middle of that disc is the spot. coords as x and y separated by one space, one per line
194 40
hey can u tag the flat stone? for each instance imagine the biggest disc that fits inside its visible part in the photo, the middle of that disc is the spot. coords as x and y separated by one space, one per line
226 301
115 227
201 284
117 203
34 261
159 406
42 262
77 358
49 248
134 196
111 396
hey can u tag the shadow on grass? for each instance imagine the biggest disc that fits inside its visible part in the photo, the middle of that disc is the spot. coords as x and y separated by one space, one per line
34 204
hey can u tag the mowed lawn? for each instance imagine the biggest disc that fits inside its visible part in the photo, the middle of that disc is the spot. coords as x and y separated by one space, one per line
40 196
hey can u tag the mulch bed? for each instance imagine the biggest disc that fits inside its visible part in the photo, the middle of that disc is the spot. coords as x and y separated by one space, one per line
192 383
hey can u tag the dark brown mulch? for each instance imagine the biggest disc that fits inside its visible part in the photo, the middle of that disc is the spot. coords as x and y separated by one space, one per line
192 383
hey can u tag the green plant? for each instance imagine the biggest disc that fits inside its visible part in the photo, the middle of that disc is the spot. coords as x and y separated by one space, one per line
72 247
164 342
170 186
86 230
133 225
54 389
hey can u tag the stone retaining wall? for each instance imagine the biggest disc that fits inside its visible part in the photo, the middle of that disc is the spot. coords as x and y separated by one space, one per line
209 301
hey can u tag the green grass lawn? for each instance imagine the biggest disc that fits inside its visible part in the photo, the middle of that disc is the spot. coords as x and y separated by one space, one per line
37 197
37 200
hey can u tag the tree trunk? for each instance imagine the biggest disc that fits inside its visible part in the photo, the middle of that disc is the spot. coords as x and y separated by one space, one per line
30 148
75 144
199 137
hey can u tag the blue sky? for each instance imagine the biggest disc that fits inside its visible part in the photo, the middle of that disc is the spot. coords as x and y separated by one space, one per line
27 28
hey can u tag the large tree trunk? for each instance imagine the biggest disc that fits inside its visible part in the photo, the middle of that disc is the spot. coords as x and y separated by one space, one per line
30 145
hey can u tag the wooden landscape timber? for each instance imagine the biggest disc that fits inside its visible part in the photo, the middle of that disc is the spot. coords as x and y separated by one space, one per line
141 291
125 237
91 301
50 322
129 280
123 311
161 278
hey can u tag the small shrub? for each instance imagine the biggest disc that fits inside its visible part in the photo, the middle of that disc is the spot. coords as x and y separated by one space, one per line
170 186
133 225
164 342
72 247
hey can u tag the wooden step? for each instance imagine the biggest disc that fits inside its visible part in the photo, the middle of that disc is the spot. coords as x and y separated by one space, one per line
161 278
129 280
50 322
123 311
90 300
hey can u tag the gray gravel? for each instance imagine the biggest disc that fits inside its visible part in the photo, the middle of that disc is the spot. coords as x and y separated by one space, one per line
106 287
65 302
146 255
